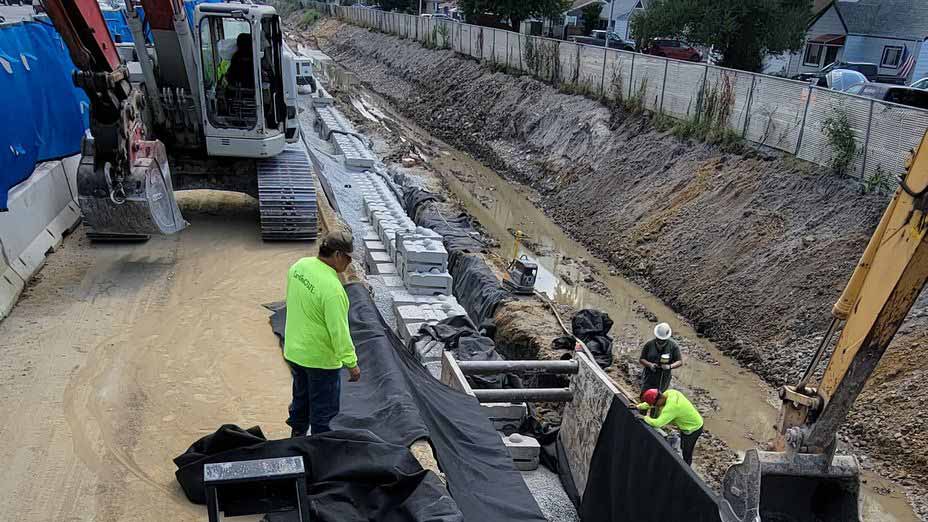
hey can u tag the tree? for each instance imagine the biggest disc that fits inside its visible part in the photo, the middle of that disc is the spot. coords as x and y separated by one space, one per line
591 14
512 12
743 31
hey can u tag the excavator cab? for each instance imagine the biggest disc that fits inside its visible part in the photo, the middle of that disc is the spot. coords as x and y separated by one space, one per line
242 80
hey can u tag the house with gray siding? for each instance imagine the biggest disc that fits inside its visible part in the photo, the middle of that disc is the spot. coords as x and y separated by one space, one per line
888 33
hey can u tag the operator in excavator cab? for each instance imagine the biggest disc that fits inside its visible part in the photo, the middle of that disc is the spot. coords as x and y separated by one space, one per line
241 69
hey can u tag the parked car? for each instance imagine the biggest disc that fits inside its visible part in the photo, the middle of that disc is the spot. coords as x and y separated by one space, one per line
614 43
892 93
844 79
441 16
920 84
673 49
869 70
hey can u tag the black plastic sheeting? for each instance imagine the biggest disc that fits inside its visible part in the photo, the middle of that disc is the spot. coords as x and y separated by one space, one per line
476 287
351 476
459 336
398 400
592 327
635 475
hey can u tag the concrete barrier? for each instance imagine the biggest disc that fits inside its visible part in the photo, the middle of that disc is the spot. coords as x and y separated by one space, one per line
42 210
583 417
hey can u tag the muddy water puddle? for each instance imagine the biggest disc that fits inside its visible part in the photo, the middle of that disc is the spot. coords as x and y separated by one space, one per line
746 406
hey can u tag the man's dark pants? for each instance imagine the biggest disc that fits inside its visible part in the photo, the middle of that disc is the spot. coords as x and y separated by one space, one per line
688 444
316 394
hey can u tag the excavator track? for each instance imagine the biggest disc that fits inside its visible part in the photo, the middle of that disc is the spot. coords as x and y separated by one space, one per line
287 196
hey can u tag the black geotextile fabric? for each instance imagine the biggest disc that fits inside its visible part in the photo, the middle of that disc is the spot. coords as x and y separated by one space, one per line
351 476
635 475
459 336
592 327
399 401
475 285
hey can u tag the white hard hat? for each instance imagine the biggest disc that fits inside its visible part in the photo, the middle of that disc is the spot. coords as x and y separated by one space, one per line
663 331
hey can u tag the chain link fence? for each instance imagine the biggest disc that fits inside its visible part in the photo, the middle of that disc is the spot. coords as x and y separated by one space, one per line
782 114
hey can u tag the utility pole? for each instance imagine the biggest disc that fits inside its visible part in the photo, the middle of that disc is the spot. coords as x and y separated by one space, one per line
609 23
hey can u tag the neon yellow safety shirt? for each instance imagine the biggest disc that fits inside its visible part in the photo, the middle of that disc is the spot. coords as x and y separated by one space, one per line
317 334
678 411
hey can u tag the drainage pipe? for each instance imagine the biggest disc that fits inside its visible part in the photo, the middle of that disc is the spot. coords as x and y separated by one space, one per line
493 367
525 394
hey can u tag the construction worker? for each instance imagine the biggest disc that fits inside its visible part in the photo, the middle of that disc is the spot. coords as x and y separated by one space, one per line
672 407
317 341
241 72
658 357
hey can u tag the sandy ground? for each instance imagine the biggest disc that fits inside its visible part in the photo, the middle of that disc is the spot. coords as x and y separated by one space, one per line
119 356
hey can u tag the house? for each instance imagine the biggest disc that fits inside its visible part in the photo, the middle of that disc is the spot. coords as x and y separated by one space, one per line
573 17
888 33
621 12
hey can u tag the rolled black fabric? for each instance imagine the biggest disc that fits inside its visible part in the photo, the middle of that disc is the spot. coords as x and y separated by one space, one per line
635 475
351 476
592 327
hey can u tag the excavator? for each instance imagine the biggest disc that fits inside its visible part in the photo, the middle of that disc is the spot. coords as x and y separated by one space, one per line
803 479
212 104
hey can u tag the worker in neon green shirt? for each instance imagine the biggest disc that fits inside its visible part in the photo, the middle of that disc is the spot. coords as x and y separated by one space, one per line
672 407
317 340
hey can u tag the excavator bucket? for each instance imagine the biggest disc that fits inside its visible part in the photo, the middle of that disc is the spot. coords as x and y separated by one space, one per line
143 205
783 487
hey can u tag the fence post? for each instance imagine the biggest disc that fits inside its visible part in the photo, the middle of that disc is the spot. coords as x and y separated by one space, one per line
631 76
602 79
577 76
863 164
660 109
747 110
701 92
507 50
802 129
493 49
521 67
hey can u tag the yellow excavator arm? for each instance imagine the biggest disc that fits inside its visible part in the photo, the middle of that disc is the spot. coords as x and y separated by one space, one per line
803 479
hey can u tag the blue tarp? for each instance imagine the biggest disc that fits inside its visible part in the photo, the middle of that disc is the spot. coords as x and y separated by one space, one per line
118 25
44 115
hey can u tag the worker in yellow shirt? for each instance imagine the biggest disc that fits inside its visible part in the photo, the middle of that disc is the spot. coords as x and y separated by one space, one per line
672 407
317 341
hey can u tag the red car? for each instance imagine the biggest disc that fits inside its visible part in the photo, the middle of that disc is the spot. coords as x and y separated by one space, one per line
673 49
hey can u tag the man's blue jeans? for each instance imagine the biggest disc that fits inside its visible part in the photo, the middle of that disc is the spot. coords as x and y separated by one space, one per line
316 394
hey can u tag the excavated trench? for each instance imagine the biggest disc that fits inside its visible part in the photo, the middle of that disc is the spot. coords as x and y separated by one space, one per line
570 273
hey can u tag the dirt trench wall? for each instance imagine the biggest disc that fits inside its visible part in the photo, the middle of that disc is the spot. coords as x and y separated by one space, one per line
751 248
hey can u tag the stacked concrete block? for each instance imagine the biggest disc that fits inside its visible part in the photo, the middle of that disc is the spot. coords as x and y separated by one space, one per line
410 317
321 98
331 120
505 416
415 253
524 450
355 151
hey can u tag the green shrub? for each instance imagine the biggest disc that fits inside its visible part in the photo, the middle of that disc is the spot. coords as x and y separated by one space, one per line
840 136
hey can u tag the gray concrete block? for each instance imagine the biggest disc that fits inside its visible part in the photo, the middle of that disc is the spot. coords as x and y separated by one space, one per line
375 245
505 415
384 269
428 283
524 450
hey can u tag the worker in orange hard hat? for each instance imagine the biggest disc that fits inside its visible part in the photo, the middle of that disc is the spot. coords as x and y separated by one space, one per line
672 407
